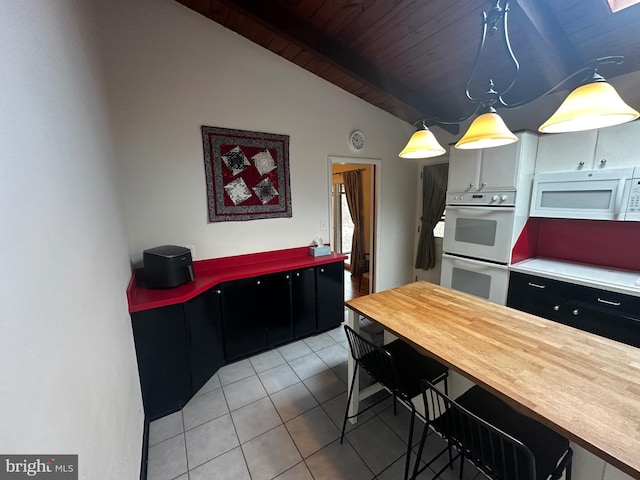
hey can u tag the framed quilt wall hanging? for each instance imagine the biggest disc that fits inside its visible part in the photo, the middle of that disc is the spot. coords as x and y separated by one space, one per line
247 174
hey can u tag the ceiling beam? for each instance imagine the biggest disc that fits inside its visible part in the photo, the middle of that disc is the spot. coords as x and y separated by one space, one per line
310 38
563 56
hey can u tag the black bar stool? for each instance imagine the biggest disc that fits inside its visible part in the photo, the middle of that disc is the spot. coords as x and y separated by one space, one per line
499 441
397 367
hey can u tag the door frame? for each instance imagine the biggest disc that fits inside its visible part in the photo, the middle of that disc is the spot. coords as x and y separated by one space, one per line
374 236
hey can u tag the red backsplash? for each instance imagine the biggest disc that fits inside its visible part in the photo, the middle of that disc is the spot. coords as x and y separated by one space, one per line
596 242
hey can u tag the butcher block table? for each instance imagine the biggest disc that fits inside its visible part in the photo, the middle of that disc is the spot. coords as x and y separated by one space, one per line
581 385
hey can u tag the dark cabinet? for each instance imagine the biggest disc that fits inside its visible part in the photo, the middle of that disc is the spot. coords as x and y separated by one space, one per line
179 347
276 308
623 329
303 302
256 314
538 296
203 321
163 365
608 314
244 331
330 295
266 311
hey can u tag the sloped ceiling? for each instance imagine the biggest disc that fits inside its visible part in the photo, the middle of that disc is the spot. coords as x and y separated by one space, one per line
412 58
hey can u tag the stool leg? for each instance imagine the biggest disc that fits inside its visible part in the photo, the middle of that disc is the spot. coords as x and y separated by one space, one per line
408 461
346 412
423 439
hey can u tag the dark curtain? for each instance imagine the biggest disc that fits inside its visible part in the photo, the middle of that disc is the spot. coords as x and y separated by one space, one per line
434 189
353 192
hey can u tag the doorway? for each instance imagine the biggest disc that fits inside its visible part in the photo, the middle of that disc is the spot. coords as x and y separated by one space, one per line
362 282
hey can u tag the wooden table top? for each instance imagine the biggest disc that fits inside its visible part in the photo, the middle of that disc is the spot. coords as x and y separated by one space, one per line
581 385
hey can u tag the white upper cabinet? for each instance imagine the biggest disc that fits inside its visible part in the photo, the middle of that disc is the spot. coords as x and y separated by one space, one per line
566 151
618 146
464 169
611 147
499 167
491 169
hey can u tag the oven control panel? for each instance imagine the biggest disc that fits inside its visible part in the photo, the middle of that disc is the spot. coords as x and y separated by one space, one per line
501 199
634 197
633 205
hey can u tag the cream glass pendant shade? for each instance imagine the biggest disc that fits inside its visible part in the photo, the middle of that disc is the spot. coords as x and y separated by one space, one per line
590 106
422 144
486 131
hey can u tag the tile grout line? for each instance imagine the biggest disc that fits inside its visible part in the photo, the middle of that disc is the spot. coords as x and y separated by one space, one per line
377 415
221 387
284 424
363 460
184 437
211 420
274 407
358 454
224 395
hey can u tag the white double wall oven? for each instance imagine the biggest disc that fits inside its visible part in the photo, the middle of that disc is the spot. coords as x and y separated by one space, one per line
487 206
477 243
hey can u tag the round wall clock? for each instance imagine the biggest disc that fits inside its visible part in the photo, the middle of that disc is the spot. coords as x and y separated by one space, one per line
356 140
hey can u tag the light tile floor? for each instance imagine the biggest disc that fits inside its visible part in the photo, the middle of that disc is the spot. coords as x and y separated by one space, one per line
278 415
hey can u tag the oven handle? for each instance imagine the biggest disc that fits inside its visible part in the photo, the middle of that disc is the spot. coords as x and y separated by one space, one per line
480 263
480 210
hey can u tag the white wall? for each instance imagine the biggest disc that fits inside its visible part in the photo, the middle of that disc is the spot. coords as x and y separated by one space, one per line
170 70
68 375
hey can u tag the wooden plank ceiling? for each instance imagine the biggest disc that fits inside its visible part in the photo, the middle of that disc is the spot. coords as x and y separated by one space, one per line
412 58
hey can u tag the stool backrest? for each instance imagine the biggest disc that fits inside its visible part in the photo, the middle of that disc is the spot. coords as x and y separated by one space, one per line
496 453
376 361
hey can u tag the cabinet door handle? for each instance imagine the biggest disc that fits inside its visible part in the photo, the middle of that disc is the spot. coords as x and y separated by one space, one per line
537 285
258 282
556 308
575 312
609 302
471 185
322 270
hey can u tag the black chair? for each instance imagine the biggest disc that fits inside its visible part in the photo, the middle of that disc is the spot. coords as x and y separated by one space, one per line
499 441
397 367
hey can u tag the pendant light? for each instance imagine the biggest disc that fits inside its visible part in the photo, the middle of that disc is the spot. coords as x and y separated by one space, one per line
422 144
594 104
486 131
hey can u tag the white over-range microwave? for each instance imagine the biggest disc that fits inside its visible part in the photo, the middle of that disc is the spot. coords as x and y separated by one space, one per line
608 194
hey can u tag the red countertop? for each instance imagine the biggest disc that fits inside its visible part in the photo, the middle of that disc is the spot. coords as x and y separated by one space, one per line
211 272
